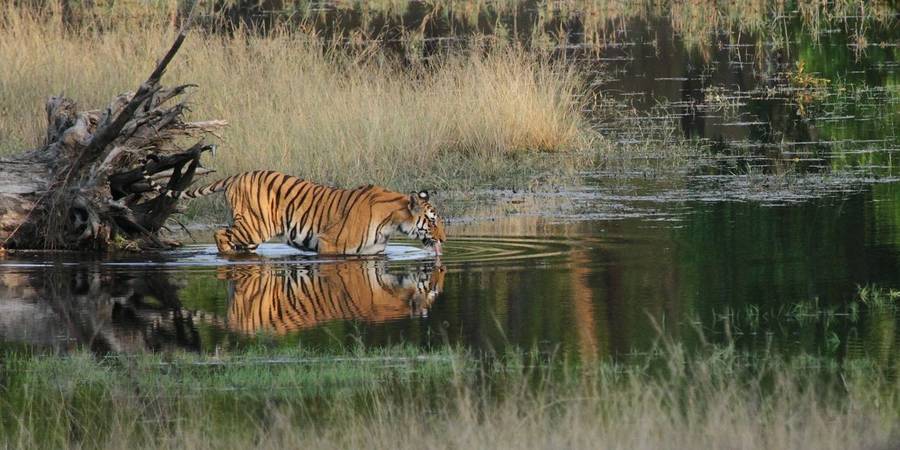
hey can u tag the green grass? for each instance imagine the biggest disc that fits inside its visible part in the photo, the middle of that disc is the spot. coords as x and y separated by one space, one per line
404 397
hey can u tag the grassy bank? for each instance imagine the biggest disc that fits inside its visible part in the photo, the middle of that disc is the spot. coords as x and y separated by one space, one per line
345 115
407 398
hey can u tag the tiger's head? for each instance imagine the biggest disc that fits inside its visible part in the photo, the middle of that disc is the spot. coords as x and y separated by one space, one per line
427 284
425 224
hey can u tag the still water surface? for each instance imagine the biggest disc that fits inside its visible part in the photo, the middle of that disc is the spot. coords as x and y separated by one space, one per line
782 277
765 241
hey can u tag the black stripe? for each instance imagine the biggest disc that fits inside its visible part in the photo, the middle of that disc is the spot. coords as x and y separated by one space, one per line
292 192
380 226
335 196
360 193
307 189
273 198
378 202
257 183
271 185
318 207
303 219
343 199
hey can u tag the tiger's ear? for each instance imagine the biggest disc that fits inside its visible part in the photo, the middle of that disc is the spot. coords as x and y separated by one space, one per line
413 205
416 199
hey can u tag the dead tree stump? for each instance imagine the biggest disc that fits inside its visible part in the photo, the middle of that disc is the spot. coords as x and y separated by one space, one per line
84 188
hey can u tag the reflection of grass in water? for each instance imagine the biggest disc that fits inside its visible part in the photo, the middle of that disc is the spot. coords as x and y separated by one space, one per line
753 319
406 398
598 22
886 221
802 313
203 292
880 298
866 324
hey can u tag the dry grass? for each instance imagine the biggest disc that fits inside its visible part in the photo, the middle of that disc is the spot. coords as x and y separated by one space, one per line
340 116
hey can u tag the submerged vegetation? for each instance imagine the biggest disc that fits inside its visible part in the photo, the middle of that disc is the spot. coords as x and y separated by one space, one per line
406 398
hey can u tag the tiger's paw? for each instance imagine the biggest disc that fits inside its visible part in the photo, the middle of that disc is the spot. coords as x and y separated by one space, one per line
223 243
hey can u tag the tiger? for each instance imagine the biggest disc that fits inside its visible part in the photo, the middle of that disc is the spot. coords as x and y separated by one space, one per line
280 300
315 217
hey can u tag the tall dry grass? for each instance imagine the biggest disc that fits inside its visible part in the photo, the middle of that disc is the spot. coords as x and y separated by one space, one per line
297 104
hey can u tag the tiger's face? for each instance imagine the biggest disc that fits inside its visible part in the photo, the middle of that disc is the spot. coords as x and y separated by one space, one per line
429 283
428 226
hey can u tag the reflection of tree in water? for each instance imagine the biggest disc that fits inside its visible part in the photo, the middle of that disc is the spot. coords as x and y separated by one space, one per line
285 299
103 310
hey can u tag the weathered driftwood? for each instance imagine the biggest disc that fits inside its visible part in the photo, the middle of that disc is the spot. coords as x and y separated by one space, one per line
83 189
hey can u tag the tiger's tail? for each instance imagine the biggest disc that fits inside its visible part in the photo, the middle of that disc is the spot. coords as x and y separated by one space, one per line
216 186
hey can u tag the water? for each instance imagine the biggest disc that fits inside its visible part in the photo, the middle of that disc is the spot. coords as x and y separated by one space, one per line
764 240
592 288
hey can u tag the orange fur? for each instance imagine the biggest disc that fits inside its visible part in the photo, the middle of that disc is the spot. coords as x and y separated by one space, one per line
276 300
319 218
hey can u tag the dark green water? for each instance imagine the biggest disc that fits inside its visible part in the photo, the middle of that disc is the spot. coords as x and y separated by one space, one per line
767 277
764 240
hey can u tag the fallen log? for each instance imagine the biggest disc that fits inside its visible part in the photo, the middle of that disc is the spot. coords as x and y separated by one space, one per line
84 188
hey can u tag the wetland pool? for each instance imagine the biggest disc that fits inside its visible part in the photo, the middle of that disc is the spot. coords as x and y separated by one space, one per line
782 277
774 236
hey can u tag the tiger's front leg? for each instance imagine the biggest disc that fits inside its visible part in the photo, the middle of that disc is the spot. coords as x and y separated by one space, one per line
238 239
223 243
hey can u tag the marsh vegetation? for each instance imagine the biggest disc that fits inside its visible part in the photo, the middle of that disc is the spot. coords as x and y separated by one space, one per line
407 398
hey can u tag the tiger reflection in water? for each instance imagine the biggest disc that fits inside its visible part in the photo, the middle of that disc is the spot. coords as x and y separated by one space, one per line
281 299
